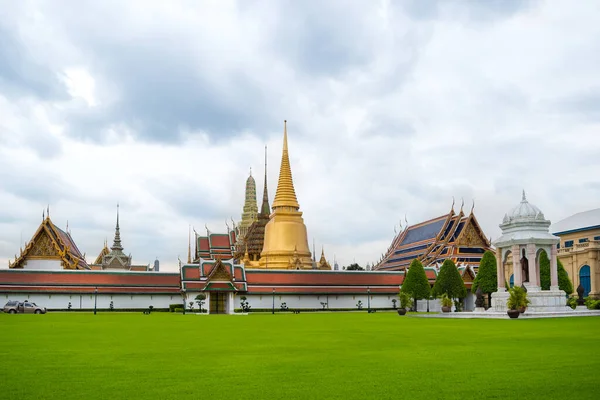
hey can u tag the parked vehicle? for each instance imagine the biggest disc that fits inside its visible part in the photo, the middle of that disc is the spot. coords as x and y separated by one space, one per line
23 307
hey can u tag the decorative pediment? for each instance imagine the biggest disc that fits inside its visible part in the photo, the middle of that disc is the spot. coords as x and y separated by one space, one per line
471 236
219 273
44 246
468 275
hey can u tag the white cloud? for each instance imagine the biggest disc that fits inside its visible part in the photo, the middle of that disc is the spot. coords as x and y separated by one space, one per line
163 107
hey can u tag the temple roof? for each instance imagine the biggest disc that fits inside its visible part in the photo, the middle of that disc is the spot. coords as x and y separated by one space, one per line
105 250
49 241
455 236
285 195
215 245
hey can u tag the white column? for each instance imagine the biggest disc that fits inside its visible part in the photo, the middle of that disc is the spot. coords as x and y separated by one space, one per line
500 270
516 257
534 274
207 302
553 268
230 304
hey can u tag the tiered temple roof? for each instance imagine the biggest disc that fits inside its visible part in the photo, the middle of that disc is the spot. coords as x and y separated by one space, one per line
455 236
50 242
215 246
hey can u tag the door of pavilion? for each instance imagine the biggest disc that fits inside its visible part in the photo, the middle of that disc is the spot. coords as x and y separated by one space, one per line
218 302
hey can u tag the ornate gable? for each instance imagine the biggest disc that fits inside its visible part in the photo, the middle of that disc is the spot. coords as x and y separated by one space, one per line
43 247
219 273
471 236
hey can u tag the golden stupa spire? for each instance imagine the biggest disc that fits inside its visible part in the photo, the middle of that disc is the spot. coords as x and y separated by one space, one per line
285 195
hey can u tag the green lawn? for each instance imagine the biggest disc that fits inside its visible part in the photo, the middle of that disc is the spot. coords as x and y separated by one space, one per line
305 356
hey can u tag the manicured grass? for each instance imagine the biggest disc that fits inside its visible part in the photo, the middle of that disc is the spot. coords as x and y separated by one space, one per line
305 356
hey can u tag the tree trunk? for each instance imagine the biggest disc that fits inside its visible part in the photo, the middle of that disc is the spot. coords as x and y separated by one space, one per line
415 304
489 300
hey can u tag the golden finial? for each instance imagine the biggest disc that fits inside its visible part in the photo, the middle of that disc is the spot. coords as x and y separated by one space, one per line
285 195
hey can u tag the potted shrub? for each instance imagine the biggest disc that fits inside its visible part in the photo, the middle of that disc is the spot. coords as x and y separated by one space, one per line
517 299
406 302
446 303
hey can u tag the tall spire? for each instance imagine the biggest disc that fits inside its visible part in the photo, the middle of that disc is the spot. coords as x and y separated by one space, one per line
285 195
189 260
265 209
117 242
250 211
524 199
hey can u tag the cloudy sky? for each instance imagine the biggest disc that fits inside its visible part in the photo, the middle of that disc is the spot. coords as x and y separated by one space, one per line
393 108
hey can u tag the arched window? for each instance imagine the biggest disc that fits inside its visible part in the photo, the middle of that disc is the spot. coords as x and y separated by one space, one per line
584 279
511 281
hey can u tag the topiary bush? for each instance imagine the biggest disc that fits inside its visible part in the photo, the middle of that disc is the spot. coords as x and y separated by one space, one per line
487 276
416 284
449 281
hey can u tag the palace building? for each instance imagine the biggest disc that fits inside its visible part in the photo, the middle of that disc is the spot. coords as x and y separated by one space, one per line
455 236
579 249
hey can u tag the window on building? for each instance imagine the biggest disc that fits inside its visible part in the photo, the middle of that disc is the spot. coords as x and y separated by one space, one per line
558 245
569 243
584 240
597 238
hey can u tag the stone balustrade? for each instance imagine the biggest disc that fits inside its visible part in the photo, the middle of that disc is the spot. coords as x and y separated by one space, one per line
580 246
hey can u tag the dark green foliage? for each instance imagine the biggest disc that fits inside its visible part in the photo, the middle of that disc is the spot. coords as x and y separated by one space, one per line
354 267
487 274
416 284
449 281
592 303
564 283
172 307
572 302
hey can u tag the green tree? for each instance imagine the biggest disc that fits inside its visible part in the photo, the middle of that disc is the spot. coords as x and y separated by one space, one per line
200 300
487 276
354 267
449 281
564 283
416 284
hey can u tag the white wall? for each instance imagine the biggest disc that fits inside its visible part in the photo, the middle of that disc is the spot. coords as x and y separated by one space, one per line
142 301
86 301
314 301
43 264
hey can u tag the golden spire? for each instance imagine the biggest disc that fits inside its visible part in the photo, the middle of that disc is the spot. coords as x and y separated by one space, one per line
285 195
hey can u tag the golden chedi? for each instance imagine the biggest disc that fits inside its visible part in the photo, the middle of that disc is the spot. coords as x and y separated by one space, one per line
286 241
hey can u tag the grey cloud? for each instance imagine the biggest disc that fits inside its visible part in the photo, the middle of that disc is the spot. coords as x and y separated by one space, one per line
20 73
473 10
586 105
